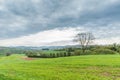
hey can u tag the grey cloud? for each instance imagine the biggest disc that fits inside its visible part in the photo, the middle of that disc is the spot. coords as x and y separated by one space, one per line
24 17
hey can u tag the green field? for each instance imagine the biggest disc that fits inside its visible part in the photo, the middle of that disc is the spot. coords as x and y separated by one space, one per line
91 67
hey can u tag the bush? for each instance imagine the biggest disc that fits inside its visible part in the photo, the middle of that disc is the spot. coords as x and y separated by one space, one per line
53 55
33 53
43 54
57 54
94 52
69 53
89 52
77 52
104 51
80 52
65 54
61 54
8 54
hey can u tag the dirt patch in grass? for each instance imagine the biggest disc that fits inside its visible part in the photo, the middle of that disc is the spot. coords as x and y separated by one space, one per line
113 76
26 58
93 68
106 74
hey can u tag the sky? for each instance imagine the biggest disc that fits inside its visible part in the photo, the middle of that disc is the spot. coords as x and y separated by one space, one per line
56 22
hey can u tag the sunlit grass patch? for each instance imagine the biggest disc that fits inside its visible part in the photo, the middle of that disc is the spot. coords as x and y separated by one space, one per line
91 67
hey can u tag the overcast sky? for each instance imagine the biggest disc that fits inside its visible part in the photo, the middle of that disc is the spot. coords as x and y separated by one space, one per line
55 22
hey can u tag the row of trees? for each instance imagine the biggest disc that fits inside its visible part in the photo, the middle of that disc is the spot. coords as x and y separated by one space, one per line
40 54
85 41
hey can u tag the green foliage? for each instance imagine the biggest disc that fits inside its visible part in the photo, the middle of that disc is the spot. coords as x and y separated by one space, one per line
5 50
91 50
65 54
78 52
8 54
42 54
104 51
69 53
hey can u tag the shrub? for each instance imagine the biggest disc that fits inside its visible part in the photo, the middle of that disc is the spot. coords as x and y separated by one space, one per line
89 52
80 52
94 52
8 54
33 53
57 54
104 51
61 55
72 54
69 53
77 52
65 54
50 55
53 55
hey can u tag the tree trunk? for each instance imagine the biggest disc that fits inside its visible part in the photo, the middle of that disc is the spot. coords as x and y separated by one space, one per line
83 49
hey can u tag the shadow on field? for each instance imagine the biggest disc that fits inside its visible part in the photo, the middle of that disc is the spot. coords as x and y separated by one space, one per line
3 77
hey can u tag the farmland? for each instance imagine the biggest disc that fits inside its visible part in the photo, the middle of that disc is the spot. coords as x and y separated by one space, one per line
88 67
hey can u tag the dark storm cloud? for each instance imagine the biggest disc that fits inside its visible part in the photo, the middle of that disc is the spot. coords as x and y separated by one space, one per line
24 17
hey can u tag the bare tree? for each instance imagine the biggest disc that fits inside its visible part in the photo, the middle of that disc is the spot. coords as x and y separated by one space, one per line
84 39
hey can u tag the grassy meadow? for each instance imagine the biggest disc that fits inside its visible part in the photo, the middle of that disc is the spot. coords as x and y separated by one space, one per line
88 67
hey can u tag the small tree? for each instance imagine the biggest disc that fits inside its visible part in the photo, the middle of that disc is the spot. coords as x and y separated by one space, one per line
84 39
114 47
8 54
65 54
